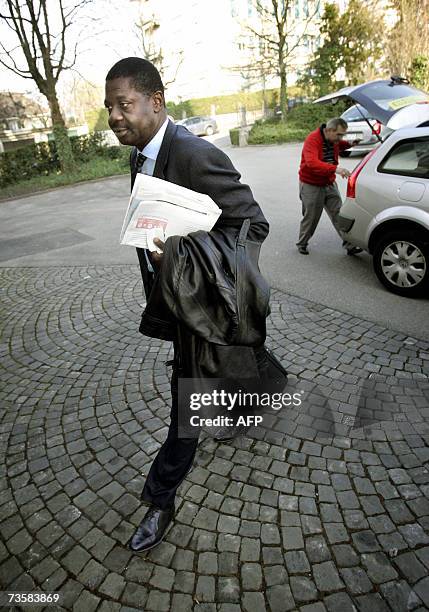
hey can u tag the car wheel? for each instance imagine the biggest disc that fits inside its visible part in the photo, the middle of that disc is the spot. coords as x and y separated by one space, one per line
345 153
209 130
401 262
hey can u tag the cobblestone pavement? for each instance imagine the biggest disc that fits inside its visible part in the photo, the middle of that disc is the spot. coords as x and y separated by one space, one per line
316 515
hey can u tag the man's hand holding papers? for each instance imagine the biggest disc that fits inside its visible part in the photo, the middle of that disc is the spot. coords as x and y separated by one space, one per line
157 255
159 209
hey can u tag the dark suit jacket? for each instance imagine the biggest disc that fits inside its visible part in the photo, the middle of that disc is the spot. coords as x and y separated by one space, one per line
190 161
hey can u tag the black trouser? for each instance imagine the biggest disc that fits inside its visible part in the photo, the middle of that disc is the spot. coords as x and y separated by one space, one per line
176 455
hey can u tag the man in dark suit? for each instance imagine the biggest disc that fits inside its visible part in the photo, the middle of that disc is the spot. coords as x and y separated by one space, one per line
138 116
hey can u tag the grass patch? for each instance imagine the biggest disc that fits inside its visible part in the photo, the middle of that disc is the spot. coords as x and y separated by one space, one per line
93 169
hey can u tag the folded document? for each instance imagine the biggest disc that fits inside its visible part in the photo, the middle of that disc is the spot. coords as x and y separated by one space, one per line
159 209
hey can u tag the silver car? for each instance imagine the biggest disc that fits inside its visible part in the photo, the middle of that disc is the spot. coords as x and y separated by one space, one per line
386 211
362 127
200 126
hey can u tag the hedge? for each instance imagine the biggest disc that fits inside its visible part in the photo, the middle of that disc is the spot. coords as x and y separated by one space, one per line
299 121
309 116
234 136
42 158
275 133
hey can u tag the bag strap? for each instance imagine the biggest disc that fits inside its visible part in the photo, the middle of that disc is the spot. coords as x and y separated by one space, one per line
243 233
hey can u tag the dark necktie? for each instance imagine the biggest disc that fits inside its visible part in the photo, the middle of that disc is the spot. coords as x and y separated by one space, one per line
140 160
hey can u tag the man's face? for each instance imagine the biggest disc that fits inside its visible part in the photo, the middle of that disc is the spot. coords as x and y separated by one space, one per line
335 135
134 117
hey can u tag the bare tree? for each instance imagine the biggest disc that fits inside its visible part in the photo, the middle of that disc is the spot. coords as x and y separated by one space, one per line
145 29
281 33
42 54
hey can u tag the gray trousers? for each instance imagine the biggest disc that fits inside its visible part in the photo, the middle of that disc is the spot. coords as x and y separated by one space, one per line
314 199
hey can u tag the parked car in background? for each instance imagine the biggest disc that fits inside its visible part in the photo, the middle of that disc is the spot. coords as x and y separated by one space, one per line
387 104
200 126
362 127
386 211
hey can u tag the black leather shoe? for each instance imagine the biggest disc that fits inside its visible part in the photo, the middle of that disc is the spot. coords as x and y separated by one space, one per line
303 250
152 529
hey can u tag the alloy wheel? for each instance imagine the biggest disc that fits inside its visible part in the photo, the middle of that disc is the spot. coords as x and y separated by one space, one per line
403 264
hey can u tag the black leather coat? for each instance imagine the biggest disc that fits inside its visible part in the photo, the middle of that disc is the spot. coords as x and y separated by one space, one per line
209 296
210 282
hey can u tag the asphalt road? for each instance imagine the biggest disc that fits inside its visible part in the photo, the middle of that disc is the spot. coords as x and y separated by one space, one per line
79 225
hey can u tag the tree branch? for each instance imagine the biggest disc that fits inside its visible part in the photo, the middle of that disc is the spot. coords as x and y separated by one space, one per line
25 74
48 33
18 21
60 65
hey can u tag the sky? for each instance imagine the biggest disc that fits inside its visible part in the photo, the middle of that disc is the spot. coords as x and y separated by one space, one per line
105 34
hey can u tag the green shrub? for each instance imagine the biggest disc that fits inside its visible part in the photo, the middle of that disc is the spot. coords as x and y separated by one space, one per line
309 116
96 169
299 121
117 152
234 136
86 147
42 159
275 133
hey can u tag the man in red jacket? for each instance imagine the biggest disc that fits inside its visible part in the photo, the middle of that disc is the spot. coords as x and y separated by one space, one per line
317 187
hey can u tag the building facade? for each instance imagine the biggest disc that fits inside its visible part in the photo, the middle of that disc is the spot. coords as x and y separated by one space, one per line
208 49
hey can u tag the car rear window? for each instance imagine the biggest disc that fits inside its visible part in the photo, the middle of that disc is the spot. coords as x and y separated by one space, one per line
408 158
356 113
393 97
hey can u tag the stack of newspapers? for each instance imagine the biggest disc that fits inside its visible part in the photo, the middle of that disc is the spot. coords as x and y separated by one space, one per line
159 209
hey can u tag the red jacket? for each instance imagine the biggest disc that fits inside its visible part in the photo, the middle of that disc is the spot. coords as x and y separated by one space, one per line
313 169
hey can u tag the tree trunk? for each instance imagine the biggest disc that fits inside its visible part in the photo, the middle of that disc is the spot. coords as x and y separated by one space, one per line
283 92
282 74
62 141
264 96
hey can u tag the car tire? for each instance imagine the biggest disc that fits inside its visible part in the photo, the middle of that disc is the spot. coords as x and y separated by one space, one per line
209 130
401 262
345 153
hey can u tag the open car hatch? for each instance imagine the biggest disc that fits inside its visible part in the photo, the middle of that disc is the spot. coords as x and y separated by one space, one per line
393 102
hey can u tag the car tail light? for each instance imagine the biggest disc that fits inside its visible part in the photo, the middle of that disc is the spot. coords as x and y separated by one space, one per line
376 128
351 183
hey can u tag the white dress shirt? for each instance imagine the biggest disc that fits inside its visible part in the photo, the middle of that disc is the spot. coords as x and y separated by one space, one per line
151 151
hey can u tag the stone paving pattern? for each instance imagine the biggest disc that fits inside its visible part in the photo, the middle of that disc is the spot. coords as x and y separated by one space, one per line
313 516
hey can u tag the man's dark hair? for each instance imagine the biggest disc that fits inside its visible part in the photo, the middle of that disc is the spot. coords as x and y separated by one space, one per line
143 74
